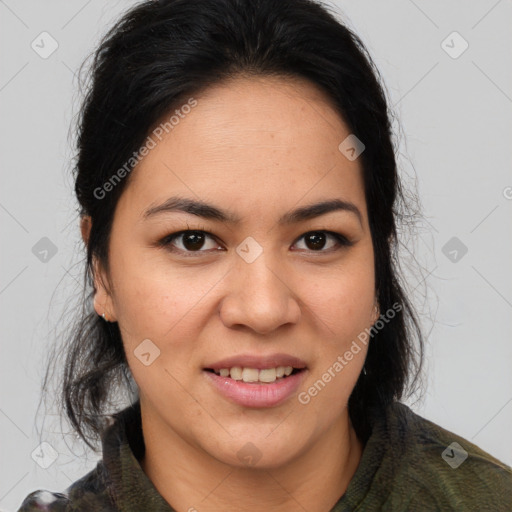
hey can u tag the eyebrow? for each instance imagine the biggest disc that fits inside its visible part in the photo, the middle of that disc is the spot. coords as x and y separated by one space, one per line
208 211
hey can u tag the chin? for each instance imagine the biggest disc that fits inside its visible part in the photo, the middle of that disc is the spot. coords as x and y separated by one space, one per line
258 451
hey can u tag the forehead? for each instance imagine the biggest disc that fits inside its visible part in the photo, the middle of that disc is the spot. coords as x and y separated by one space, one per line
251 141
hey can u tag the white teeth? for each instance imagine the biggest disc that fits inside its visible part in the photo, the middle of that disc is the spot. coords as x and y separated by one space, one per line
236 373
267 375
250 375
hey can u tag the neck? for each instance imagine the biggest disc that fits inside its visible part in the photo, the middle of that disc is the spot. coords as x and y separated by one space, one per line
190 479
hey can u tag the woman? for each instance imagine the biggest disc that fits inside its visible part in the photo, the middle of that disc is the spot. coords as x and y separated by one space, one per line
239 202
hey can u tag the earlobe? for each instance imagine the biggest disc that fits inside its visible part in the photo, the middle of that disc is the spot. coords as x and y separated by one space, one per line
103 304
85 228
375 312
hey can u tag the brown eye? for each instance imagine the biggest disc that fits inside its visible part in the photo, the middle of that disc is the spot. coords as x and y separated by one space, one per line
187 241
193 241
316 240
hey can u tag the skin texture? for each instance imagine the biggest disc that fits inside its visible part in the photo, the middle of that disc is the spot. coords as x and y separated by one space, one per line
257 147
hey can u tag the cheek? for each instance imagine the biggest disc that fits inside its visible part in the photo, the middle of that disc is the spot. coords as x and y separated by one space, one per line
343 311
342 303
157 301
160 306
342 299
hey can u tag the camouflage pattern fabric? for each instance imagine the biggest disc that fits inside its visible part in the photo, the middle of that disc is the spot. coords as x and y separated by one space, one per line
408 464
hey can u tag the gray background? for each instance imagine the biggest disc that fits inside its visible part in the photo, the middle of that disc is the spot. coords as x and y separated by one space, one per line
456 133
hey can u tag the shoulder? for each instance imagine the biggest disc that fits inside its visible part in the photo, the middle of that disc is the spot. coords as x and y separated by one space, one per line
439 467
88 493
116 483
45 500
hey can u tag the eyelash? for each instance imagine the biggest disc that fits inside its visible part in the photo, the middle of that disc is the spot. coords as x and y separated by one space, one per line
168 239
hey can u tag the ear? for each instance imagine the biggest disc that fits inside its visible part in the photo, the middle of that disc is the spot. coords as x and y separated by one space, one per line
375 311
103 303
85 228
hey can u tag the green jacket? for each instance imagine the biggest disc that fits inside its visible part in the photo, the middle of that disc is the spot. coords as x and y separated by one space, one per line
408 464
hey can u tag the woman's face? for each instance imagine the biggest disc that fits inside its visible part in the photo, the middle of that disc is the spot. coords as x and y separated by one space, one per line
259 293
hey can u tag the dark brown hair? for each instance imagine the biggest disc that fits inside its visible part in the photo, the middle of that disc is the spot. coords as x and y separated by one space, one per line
163 51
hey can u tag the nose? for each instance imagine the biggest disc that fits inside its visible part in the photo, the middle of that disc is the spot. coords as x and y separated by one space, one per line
259 296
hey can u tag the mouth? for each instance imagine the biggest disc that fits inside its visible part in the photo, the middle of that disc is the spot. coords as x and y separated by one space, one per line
256 375
257 382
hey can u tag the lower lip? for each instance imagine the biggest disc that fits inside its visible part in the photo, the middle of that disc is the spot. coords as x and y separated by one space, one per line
256 394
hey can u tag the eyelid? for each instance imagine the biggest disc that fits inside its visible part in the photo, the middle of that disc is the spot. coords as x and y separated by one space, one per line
165 242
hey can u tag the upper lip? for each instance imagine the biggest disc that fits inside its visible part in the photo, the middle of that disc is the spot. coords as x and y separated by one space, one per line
257 361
